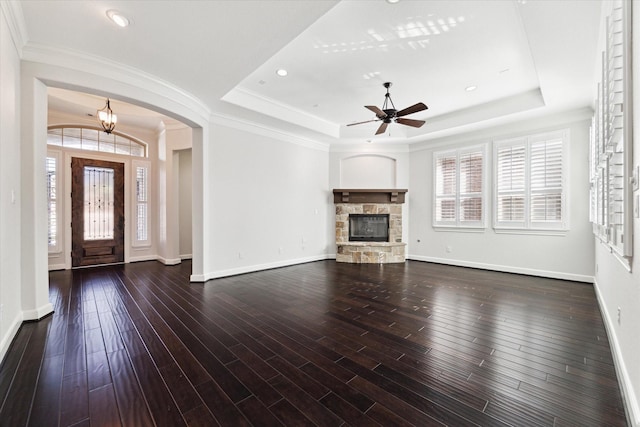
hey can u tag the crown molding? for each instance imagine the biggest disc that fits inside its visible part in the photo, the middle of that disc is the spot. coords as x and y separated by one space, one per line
15 20
252 101
267 131
83 62
370 148
529 123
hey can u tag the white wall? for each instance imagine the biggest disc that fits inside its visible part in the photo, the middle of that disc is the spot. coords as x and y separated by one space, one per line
569 256
170 143
185 203
268 201
351 167
617 287
10 189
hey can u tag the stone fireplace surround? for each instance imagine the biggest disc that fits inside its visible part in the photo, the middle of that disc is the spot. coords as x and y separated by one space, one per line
369 201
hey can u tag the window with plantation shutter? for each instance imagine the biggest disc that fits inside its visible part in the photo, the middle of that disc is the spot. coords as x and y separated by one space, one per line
530 182
141 215
52 170
510 184
459 185
611 156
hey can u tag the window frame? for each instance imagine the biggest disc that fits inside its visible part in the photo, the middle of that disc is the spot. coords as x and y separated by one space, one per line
457 223
57 156
135 164
116 136
527 224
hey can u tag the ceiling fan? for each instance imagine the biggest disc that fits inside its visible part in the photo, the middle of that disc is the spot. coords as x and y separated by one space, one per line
390 114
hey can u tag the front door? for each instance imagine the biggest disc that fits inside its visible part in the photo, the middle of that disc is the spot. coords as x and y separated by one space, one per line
97 206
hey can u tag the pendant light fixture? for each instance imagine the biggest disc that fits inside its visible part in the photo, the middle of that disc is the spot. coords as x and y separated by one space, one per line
107 118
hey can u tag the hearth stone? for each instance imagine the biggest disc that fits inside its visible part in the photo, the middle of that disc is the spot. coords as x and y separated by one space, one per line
392 251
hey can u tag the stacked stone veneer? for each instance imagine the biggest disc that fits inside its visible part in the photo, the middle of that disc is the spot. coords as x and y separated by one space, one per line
369 252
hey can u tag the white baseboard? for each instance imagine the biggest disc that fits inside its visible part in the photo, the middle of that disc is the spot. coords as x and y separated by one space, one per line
37 313
143 258
6 340
254 268
506 268
626 385
186 256
169 261
53 267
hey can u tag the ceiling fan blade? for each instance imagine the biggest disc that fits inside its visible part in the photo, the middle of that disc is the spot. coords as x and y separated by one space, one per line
367 121
382 128
413 109
410 122
379 113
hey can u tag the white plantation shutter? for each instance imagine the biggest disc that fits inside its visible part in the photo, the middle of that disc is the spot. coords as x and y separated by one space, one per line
611 138
52 168
446 189
546 181
530 176
471 186
510 183
141 170
459 184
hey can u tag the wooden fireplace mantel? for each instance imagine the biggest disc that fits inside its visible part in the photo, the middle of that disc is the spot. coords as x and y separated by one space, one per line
395 195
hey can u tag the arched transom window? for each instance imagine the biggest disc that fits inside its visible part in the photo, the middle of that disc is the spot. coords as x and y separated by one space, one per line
93 139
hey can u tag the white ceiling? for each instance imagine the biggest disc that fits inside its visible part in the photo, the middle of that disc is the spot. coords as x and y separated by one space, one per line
527 58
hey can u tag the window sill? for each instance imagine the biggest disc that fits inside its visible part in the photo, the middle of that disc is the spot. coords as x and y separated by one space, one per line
529 231
459 229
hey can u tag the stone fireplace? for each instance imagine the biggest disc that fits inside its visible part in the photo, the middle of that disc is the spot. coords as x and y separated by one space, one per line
381 211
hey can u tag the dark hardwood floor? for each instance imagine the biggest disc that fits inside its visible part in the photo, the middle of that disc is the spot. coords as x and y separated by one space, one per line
315 344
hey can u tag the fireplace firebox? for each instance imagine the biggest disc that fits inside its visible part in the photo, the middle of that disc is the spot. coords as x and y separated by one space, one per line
369 227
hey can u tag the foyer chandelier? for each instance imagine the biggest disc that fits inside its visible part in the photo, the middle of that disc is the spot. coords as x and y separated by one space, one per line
107 118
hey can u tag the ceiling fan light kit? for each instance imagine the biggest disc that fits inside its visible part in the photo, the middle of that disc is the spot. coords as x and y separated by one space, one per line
388 113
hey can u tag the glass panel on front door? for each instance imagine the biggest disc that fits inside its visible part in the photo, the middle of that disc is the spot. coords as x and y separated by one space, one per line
98 203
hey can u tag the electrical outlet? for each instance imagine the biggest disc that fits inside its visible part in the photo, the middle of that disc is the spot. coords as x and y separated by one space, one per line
619 315
448 249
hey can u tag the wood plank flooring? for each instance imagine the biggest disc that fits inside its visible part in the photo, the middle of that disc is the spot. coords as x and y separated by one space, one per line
323 343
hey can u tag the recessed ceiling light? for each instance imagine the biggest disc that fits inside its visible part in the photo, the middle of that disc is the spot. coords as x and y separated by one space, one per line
392 1
118 18
281 72
470 88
